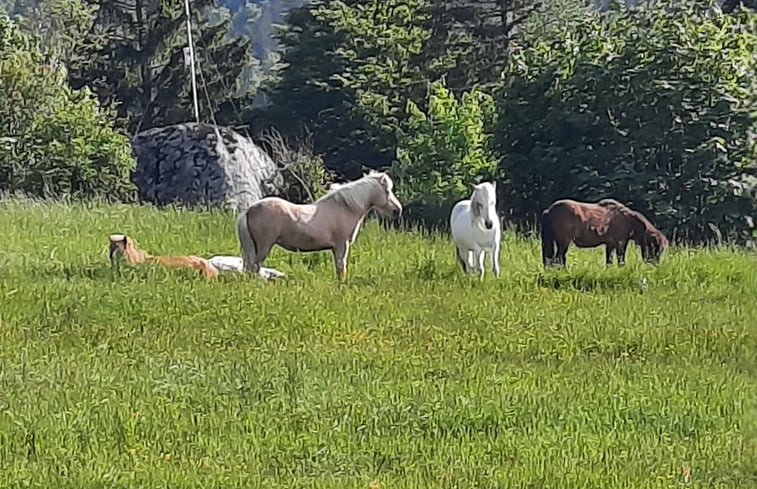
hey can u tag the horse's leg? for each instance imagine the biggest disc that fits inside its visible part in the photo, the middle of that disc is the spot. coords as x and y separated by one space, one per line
562 251
264 249
622 253
480 256
462 262
341 251
495 259
609 251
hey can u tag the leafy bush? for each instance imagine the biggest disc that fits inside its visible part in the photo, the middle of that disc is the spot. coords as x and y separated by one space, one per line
56 141
444 151
653 106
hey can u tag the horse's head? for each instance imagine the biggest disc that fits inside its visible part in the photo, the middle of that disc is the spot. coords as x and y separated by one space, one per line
117 246
122 245
384 201
484 203
649 239
653 244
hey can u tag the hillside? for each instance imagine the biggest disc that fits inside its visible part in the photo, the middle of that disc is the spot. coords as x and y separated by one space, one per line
407 376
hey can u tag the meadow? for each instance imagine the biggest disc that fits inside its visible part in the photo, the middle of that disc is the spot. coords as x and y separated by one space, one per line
408 375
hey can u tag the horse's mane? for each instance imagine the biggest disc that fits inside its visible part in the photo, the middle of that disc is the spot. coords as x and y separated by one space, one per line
649 228
473 198
353 194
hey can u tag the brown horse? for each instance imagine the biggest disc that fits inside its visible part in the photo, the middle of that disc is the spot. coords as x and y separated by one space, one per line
331 222
588 225
123 246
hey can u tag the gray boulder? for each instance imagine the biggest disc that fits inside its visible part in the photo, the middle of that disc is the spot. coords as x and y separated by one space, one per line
202 165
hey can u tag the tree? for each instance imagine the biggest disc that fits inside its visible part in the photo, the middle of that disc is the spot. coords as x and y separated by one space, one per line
470 40
653 106
136 60
349 68
55 141
58 26
444 150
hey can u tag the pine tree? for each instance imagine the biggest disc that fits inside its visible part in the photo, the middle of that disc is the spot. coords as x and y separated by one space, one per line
135 59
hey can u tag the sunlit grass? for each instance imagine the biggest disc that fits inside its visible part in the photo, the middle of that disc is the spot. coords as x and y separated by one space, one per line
409 375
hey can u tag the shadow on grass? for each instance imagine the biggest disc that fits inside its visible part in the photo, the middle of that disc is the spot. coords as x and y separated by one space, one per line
587 281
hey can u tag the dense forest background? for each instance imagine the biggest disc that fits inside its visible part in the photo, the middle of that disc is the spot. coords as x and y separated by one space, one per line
652 103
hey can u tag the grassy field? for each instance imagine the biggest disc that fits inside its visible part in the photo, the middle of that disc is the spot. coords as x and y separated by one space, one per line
407 376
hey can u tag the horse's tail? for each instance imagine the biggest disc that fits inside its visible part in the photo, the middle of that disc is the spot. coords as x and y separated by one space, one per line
247 243
548 241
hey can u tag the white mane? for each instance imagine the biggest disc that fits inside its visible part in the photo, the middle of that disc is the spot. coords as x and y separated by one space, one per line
482 194
355 194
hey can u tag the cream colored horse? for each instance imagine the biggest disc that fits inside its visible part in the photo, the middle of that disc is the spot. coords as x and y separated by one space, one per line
121 245
330 223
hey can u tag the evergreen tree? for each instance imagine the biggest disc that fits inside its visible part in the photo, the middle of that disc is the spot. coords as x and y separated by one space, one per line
350 67
307 96
135 59
470 41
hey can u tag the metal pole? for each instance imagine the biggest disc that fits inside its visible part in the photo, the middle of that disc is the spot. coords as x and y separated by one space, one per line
192 60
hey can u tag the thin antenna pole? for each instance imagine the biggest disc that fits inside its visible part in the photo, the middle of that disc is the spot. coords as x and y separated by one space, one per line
192 61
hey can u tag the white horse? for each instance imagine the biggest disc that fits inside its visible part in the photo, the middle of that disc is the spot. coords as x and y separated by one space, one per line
225 263
476 229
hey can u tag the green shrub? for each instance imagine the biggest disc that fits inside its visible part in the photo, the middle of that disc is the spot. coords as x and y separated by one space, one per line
57 142
444 151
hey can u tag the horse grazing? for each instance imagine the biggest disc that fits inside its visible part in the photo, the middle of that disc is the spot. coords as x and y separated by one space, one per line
476 229
588 225
123 246
331 222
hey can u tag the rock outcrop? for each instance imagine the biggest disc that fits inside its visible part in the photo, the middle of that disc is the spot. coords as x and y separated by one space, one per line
202 165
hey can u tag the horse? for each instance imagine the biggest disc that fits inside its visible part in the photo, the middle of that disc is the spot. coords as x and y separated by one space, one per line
123 246
588 225
235 264
476 229
332 222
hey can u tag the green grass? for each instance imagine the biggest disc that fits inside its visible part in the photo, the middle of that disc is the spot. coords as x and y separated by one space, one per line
407 376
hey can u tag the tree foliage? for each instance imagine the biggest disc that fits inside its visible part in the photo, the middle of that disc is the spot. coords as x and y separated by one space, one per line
653 106
56 141
58 26
349 68
135 59
445 149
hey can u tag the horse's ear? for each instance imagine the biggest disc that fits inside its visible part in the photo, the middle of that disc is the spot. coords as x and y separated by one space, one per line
385 181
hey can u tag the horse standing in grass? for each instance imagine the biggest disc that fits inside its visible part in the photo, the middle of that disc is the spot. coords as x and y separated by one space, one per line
588 225
330 223
476 229
123 246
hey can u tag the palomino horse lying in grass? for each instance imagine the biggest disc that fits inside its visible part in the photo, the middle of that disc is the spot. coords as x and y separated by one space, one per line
123 246
476 229
330 223
589 225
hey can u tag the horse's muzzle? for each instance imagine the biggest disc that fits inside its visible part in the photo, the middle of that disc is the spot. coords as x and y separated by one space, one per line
488 224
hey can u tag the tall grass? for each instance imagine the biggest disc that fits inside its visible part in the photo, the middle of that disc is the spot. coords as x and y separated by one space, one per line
408 375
